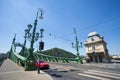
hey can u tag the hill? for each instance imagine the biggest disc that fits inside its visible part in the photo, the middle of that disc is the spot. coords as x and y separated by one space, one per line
59 53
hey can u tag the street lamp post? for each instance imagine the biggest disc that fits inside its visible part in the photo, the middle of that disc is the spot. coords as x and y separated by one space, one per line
34 29
34 36
40 47
76 46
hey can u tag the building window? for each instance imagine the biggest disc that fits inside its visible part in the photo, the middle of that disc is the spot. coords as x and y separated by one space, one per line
92 39
93 47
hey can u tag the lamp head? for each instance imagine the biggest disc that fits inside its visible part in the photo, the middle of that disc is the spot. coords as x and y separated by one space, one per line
37 34
72 44
41 13
41 30
29 26
26 30
41 17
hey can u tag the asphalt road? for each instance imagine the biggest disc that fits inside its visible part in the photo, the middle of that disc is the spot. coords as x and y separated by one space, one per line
73 71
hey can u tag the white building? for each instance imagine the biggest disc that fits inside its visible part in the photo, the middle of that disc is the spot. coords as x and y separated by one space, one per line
96 48
116 57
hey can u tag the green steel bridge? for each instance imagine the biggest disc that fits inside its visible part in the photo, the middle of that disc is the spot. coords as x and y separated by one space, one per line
25 59
27 56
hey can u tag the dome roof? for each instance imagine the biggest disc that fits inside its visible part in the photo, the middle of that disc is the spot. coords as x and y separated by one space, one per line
92 34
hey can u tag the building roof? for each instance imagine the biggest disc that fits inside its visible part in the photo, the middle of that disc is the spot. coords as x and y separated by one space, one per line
92 34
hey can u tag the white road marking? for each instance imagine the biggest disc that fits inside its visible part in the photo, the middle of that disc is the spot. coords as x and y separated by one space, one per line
91 76
10 72
104 72
101 74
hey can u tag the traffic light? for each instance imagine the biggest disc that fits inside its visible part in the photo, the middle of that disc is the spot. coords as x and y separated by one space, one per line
41 45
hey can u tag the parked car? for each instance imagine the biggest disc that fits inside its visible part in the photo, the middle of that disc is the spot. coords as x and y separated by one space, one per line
42 64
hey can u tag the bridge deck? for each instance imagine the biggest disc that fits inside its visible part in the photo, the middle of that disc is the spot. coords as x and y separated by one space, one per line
10 71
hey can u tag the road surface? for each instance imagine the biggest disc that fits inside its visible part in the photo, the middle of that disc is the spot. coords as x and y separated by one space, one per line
73 71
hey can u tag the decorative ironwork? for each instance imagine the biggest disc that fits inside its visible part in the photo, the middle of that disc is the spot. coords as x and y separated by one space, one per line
77 47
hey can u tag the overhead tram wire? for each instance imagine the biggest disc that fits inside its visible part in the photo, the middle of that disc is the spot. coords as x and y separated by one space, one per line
56 36
93 26
107 21
59 37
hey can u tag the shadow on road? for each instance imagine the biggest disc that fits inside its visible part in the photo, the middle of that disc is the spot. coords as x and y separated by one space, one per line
55 75
55 72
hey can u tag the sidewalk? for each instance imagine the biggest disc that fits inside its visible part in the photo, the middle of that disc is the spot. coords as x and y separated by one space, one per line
10 71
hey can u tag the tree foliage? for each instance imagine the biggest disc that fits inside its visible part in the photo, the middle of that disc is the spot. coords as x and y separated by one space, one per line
59 53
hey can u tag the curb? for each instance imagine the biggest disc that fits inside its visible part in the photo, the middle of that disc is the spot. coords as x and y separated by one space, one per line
50 78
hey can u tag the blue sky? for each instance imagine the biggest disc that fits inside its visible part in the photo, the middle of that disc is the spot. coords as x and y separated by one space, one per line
60 17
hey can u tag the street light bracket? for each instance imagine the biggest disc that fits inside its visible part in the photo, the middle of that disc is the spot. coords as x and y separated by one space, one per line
41 13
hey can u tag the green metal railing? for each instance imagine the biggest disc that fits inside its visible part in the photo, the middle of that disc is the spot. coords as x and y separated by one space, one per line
25 60
54 59
22 61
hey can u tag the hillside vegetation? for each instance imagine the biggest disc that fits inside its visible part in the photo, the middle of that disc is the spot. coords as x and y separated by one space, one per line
59 53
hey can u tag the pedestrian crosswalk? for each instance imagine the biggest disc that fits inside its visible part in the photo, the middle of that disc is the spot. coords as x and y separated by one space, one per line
100 75
87 72
92 76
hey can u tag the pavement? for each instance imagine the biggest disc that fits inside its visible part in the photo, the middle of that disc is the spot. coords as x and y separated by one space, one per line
11 71
88 71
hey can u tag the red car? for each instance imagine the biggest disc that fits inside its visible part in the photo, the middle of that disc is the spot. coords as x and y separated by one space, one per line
41 64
